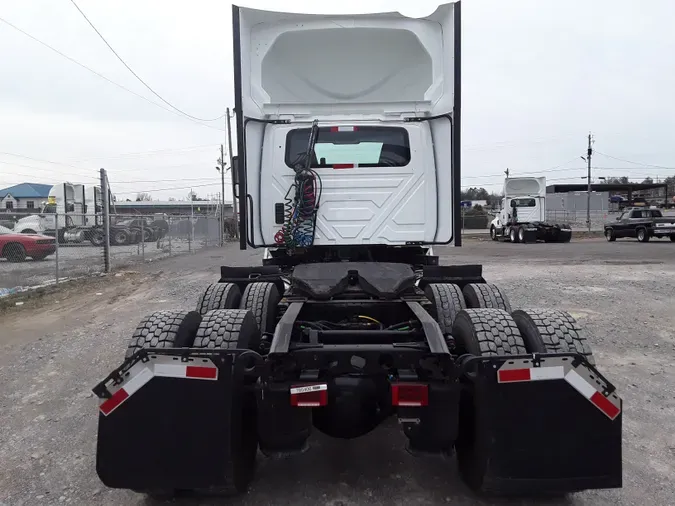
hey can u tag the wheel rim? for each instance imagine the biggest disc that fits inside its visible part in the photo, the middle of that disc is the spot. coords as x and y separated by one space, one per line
641 235
521 235
493 233
512 235
120 237
608 234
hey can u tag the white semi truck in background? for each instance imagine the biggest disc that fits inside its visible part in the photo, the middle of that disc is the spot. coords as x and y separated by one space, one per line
76 212
522 217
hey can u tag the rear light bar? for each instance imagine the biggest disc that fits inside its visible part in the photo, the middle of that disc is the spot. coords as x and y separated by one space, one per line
309 396
344 129
409 394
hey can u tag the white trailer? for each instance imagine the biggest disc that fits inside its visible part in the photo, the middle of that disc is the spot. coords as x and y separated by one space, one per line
522 217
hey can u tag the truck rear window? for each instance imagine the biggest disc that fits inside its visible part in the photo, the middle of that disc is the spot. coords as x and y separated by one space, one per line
350 147
525 202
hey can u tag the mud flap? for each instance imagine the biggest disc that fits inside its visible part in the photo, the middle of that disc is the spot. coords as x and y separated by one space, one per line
548 425
168 424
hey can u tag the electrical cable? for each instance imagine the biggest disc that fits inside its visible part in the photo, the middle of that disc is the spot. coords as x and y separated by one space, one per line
137 76
167 189
630 161
299 228
143 153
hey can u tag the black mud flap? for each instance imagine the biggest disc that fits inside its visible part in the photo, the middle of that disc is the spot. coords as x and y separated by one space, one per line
546 425
168 424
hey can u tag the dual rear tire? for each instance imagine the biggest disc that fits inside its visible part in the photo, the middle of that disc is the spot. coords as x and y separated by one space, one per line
218 329
495 332
482 323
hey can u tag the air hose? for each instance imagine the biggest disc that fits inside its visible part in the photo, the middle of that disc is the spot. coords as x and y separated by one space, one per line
301 201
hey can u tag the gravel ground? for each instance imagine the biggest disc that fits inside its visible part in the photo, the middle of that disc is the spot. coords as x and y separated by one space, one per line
55 350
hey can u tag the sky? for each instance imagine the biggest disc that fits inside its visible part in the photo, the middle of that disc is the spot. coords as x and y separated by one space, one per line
538 76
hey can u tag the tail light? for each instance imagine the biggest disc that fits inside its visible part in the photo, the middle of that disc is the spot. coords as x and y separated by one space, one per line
409 394
309 396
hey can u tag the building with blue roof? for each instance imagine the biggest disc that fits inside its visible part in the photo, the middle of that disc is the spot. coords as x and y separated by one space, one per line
24 196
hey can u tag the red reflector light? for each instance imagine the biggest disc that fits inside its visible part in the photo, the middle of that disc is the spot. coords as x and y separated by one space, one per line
513 375
115 400
193 371
409 394
309 396
605 406
343 165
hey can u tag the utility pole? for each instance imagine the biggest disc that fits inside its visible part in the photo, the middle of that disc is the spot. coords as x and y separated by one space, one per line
235 206
507 172
589 153
221 169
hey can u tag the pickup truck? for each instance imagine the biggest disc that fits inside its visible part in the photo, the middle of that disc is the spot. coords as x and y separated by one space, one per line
642 224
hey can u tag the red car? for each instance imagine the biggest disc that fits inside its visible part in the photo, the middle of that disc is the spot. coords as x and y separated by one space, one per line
16 247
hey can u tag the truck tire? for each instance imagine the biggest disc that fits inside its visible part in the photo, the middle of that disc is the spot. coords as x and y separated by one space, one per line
610 235
205 299
484 295
219 296
493 233
262 300
522 237
119 237
228 329
487 332
482 332
165 329
96 237
447 300
642 235
513 235
552 331
672 238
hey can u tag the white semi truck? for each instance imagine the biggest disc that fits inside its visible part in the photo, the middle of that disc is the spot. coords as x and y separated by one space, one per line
522 217
348 134
76 211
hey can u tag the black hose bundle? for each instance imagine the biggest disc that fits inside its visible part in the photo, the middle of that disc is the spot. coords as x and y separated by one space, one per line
300 211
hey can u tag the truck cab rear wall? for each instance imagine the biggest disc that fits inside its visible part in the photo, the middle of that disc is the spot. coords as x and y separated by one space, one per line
392 187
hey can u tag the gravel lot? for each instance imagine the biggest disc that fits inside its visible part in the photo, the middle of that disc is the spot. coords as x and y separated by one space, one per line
56 349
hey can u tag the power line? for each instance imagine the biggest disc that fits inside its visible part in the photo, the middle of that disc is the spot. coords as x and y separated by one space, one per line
153 152
635 163
555 168
104 77
136 75
40 160
167 180
45 169
167 189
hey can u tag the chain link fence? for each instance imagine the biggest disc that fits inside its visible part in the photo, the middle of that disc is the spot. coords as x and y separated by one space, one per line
152 238
31 255
41 249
